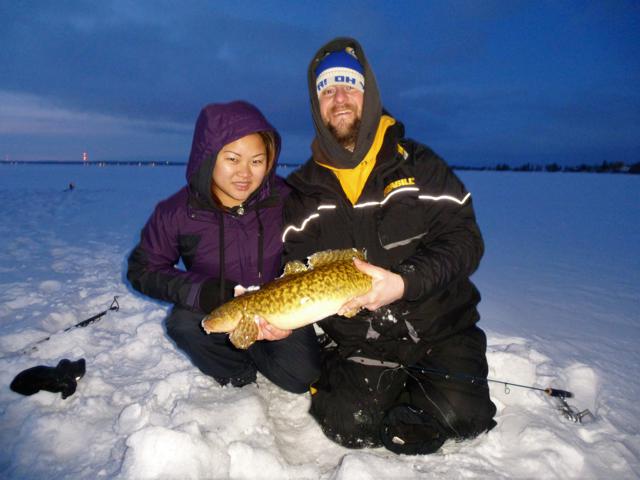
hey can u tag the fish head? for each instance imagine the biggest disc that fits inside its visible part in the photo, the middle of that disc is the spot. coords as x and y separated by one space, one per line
222 320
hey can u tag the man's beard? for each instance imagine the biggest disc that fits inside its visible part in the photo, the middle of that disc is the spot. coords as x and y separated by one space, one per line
347 138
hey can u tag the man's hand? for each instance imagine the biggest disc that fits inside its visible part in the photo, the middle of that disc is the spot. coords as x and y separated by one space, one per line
387 287
266 331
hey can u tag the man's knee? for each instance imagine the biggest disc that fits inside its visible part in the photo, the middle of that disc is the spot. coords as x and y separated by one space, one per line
432 416
408 430
462 398
473 411
349 400
349 421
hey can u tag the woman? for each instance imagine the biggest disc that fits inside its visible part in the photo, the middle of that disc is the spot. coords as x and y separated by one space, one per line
225 226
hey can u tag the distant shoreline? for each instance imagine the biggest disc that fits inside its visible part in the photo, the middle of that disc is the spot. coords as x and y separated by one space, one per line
93 164
113 163
604 167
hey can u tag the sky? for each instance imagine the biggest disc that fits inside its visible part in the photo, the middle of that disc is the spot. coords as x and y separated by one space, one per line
480 82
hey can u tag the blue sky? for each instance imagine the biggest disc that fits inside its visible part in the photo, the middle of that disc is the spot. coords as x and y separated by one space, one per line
481 82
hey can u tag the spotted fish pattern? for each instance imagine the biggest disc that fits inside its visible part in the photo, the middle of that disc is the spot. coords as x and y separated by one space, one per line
304 294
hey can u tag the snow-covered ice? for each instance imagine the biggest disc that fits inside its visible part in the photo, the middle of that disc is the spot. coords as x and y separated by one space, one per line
560 284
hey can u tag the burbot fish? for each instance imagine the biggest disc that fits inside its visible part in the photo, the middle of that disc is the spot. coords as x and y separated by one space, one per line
303 295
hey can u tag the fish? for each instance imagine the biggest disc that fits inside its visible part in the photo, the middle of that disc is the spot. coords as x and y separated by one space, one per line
303 295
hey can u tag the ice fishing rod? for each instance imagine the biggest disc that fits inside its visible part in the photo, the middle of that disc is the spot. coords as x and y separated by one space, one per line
114 307
568 411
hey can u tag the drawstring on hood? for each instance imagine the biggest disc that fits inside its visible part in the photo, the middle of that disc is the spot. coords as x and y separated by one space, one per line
221 242
260 242
217 126
335 154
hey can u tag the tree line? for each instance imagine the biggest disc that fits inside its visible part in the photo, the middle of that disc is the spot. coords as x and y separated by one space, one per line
604 167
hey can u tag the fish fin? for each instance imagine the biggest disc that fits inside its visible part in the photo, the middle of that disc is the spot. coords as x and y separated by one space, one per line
294 266
351 313
245 334
331 256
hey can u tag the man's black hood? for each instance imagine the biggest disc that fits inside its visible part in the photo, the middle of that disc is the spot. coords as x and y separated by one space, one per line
334 153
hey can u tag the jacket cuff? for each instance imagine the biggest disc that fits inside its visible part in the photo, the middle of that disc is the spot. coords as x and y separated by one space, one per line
412 281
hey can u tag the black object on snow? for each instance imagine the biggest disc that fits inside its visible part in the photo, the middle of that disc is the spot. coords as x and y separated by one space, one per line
62 378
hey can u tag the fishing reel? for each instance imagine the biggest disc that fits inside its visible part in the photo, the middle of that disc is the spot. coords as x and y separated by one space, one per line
569 411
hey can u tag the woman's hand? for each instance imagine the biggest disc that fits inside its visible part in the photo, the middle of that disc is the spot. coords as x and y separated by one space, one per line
386 288
240 290
266 331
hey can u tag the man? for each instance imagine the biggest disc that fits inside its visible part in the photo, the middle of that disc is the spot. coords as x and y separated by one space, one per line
385 375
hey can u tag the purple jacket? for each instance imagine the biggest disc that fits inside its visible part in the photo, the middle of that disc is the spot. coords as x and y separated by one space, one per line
219 247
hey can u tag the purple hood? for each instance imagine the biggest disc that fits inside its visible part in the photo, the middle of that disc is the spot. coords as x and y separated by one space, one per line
219 247
219 124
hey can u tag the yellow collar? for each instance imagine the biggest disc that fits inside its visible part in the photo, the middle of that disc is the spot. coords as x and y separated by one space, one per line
352 180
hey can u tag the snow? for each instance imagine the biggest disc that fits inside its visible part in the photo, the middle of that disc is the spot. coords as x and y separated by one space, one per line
560 306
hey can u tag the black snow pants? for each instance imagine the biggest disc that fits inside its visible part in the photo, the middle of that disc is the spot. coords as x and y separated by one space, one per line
409 410
292 363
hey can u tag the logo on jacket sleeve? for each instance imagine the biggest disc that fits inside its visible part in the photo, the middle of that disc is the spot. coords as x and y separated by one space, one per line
403 182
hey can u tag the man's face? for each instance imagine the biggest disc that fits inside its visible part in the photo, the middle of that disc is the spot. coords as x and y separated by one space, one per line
341 110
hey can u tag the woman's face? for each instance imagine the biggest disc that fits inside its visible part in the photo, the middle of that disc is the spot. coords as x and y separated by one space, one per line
240 168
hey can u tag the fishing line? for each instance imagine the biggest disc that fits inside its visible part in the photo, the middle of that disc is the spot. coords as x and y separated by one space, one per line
568 411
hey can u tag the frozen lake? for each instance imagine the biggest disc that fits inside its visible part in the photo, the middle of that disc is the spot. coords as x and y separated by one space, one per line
560 284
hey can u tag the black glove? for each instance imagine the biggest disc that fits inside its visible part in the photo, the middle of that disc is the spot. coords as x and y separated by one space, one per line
210 295
63 378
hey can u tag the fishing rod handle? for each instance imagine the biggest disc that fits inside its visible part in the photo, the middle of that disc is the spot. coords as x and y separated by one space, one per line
554 392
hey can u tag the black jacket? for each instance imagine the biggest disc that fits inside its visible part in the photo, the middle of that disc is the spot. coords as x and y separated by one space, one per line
414 217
